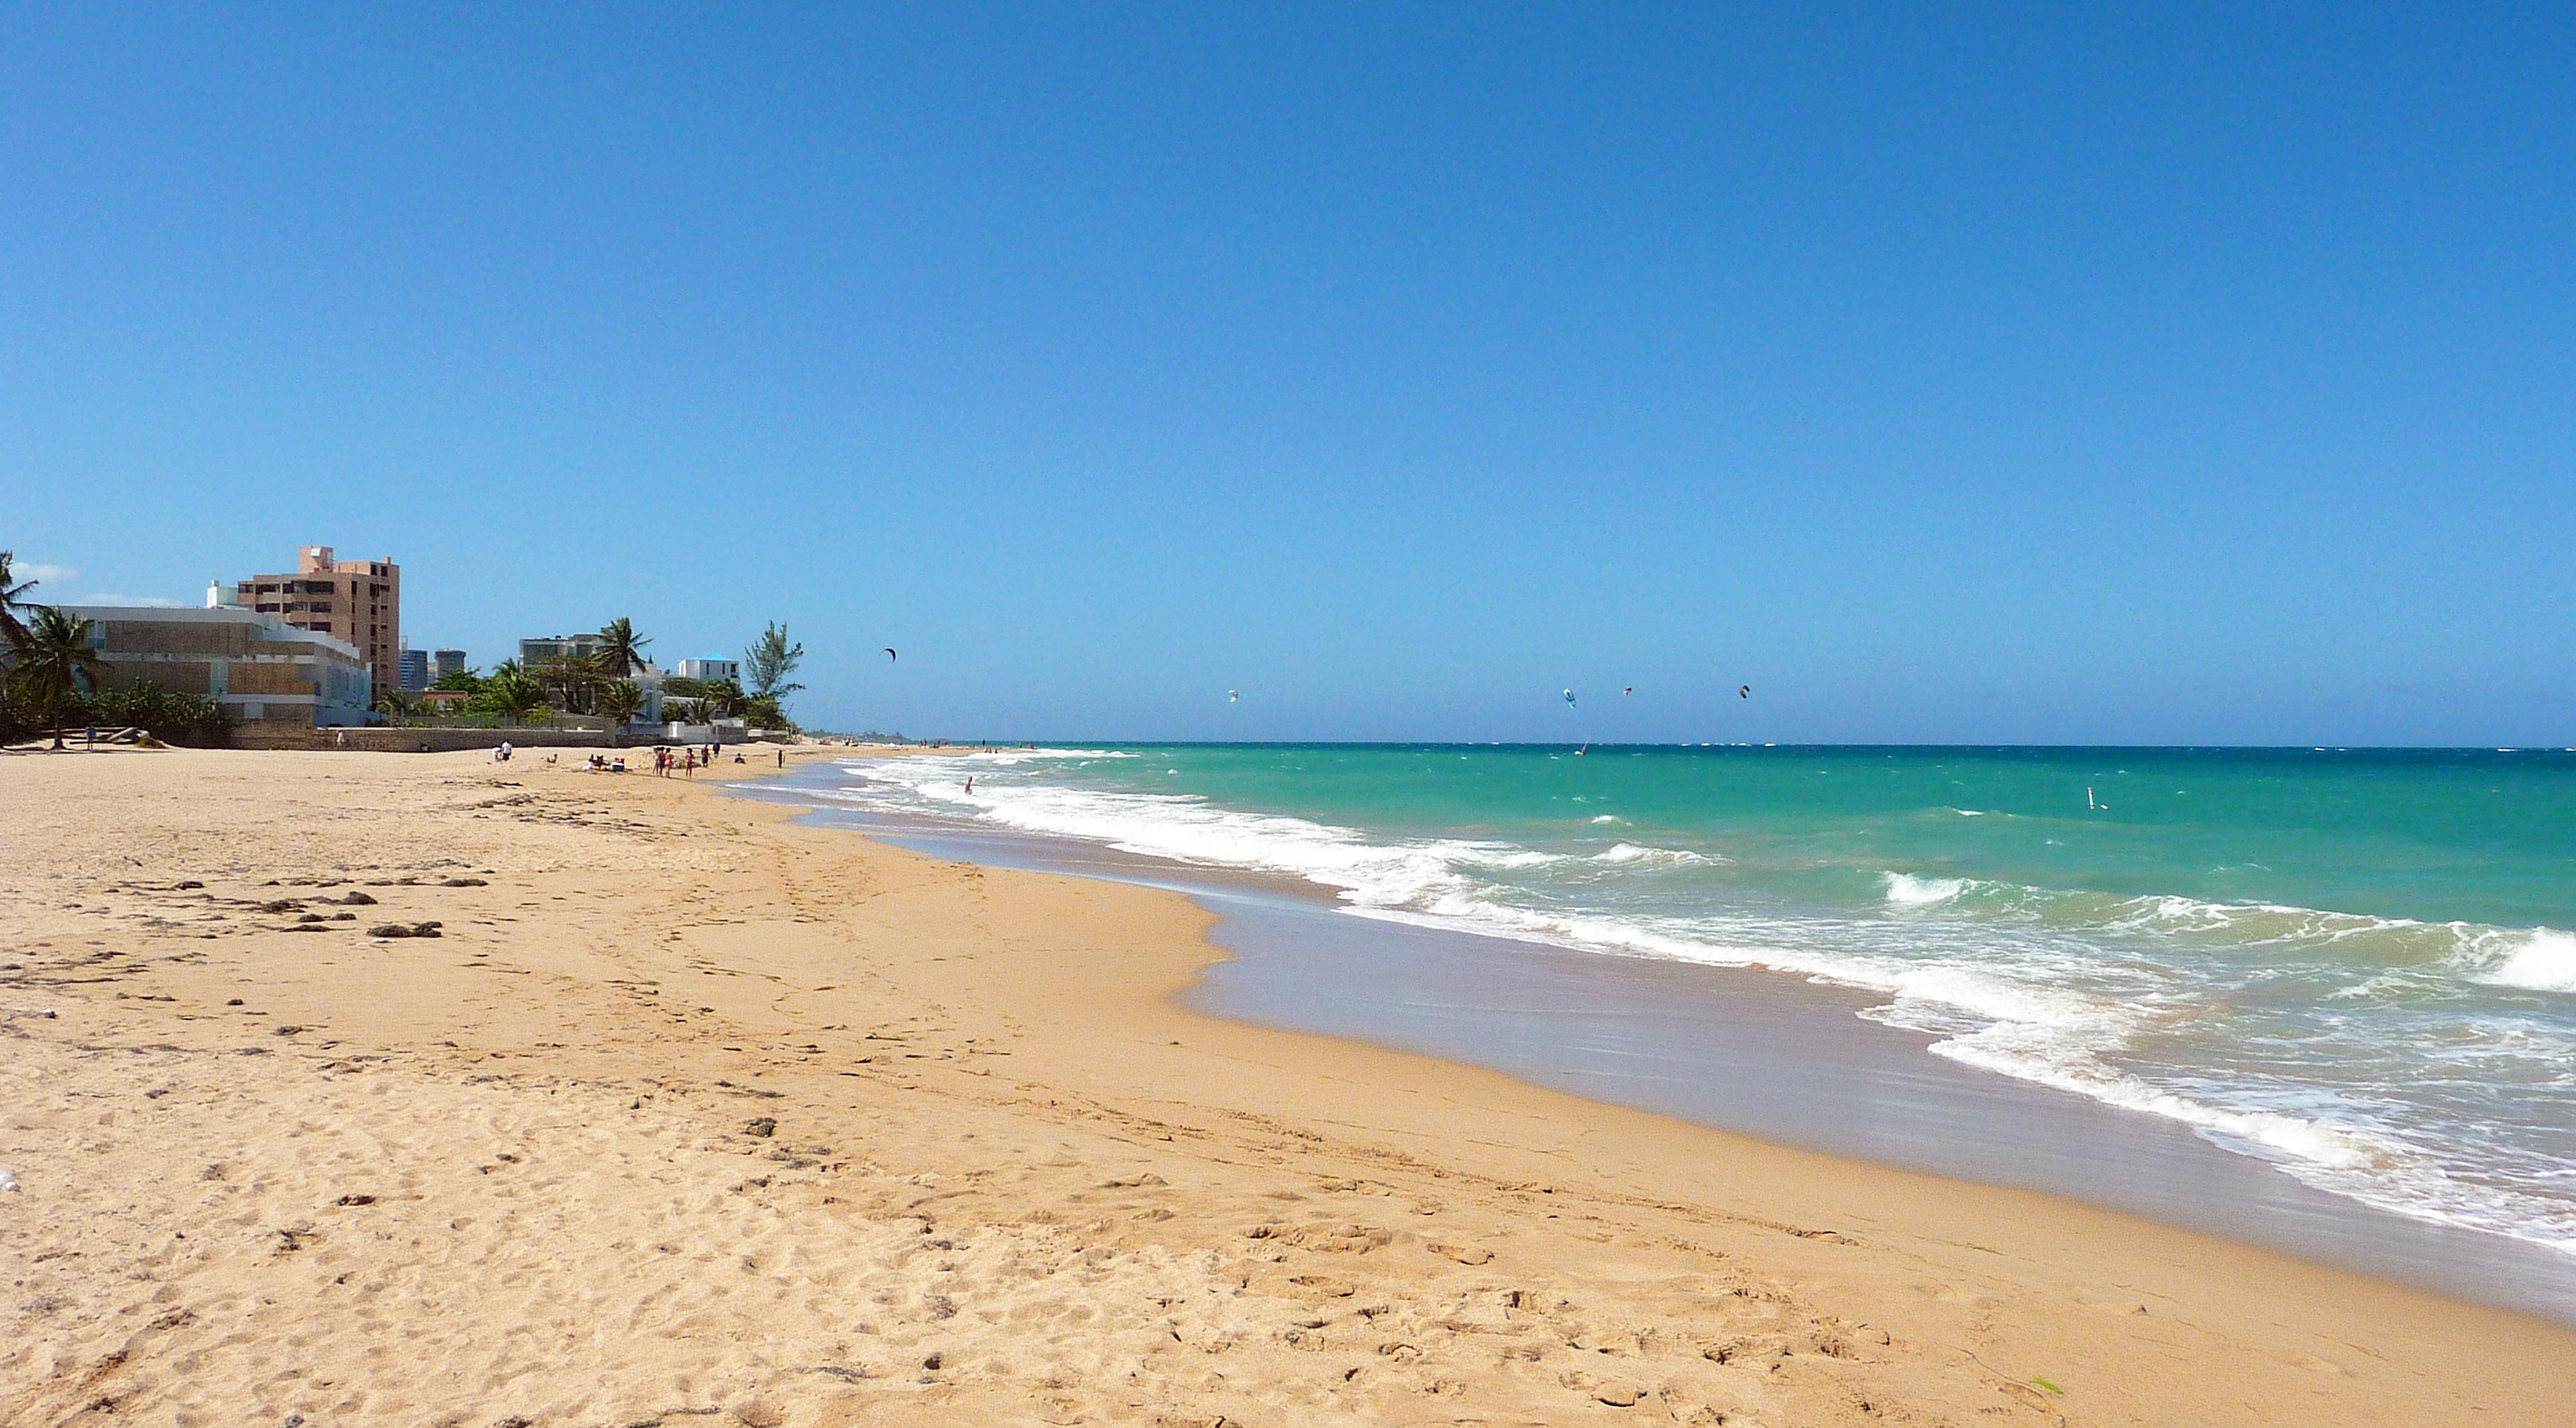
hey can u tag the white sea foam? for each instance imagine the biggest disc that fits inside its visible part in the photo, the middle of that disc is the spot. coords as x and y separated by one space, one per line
1907 890
1638 853
1188 829
2543 961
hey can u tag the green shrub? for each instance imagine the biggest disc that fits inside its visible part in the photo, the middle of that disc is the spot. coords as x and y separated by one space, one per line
172 718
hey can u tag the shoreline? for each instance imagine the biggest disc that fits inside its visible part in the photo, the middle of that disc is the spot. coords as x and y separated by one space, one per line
1617 1030
1008 1174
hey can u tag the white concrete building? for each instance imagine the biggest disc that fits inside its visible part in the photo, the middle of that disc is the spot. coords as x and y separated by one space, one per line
264 672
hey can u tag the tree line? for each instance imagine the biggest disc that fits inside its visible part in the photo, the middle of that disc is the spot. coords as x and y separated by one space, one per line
601 682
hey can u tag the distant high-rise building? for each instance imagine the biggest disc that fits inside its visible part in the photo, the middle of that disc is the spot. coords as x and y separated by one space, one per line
415 670
710 671
359 601
443 663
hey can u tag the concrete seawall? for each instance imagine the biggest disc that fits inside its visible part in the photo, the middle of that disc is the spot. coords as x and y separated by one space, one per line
435 741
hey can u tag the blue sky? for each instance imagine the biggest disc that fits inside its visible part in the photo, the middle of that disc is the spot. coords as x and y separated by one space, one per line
2166 375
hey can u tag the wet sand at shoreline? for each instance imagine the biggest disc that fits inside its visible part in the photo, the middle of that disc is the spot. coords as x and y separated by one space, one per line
692 1114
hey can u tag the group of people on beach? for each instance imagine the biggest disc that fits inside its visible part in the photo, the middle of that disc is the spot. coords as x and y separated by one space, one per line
686 759
668 759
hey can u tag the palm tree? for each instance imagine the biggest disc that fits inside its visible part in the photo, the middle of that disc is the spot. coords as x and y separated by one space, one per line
515 696
397 704
620 700
55 662
13 598
509 691
722 699
620 652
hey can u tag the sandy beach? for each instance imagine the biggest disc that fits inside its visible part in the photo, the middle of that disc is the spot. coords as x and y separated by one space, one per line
690 1114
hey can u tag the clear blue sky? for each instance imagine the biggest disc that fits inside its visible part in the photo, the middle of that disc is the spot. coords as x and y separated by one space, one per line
2160 376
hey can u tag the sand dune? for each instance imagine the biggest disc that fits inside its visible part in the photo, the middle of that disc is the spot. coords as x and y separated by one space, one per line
689 1115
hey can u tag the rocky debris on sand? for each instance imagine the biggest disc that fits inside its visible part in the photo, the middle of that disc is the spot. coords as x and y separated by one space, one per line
284 904
400 929
358 899
463 883
763 1126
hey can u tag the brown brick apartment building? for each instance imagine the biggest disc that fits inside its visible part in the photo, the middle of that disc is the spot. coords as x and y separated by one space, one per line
359 601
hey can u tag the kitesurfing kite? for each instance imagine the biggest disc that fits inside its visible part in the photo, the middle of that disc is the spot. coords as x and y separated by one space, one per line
1231 696
1569 697
1744 691
1624 693
889 656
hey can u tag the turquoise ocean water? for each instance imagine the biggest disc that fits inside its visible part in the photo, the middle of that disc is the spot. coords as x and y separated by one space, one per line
2357 965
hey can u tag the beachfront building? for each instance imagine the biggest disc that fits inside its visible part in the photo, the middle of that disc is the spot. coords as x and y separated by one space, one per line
443 663
710 671
534 654
358 601
415 670
273 680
